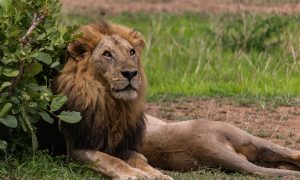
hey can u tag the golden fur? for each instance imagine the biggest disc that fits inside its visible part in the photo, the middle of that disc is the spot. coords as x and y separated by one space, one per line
194 144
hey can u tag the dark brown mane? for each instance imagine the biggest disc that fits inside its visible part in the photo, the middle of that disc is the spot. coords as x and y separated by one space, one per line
108 124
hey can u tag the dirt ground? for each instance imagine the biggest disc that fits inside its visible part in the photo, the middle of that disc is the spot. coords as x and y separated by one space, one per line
111 7
280 125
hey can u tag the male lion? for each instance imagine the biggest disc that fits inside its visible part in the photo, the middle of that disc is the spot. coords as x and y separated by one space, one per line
190 145
104 80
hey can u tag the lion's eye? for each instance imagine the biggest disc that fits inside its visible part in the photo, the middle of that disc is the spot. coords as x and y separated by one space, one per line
107 54
132 52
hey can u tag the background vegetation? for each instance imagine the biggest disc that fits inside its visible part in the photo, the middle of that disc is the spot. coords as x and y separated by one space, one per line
227 55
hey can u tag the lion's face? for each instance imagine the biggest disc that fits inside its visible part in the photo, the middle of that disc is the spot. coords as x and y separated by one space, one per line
117 61
110 54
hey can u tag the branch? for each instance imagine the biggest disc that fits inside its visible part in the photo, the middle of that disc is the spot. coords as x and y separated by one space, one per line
37 19
25 40
16 79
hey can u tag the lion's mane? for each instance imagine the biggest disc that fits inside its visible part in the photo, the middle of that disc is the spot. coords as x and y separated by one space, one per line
109 125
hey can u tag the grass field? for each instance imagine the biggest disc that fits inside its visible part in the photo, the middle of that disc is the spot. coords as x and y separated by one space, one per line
218 55
255 57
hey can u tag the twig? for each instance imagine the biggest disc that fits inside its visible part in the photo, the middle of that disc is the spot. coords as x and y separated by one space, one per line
16 79
21 68
25 40
37 19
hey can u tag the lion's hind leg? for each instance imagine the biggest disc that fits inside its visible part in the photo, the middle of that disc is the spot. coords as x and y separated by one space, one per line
268 152
229 159
258 150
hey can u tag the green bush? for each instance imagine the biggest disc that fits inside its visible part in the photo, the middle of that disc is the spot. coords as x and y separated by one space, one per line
31 47
247 33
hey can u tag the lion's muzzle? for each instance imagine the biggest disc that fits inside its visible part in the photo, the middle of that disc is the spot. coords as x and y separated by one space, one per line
129 74
126 86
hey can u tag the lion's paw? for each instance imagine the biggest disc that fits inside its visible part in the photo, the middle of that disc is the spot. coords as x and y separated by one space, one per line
166 177
157 175
134 174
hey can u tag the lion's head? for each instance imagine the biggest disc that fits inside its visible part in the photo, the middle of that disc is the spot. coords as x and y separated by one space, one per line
118 62
103 79
114 53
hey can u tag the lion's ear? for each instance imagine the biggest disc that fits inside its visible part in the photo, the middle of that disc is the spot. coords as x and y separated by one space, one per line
76 50
138 41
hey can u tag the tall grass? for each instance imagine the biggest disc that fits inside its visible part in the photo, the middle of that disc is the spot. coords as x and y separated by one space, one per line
220 55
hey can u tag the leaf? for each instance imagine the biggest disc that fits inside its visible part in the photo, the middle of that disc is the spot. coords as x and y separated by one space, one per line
32 104
5 4
46 117
9 121
5 109
3 97
58 102
34 142
3 145
70 116
4 85
33 69
54 64
44 57
10 72
2 36
22 123
67 36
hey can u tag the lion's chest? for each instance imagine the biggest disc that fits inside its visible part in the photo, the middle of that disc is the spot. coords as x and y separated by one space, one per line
103 136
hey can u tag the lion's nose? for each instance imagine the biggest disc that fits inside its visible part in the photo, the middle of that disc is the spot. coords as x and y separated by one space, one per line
129 74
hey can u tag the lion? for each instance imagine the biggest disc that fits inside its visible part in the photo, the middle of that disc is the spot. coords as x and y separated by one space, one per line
190 145
103 78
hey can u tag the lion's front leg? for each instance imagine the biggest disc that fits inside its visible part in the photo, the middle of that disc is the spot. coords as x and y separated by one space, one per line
108 165
139 161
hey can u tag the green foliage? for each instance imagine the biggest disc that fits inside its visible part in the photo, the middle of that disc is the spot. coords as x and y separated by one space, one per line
248 33
27 62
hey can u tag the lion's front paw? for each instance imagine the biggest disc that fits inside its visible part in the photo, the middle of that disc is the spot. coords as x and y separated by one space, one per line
166 177
157 175
133 174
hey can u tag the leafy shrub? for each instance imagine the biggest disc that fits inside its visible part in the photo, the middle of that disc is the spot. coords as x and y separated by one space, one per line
248 33
31 47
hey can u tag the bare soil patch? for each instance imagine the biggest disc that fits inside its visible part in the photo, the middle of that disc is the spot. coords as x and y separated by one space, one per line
178 6
280 125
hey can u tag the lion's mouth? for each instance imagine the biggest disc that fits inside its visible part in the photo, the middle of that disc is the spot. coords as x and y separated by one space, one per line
127 88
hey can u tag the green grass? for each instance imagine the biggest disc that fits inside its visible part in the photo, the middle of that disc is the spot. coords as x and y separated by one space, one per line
41 166
199 54
196 55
